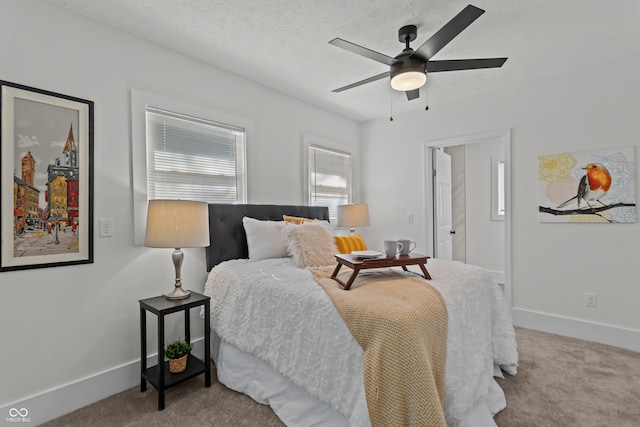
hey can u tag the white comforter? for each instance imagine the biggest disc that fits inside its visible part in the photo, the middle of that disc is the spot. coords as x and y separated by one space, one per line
280 314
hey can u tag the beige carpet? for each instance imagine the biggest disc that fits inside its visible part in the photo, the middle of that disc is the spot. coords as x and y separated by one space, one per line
561 382
568 382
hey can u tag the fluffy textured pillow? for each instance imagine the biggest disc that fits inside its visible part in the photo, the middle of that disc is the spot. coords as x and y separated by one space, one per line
310 244
264 238
348 244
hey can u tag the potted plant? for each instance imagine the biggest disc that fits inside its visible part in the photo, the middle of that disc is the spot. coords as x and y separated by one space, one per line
177 353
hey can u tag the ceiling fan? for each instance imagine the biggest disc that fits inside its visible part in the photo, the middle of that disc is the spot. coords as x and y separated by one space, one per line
408 70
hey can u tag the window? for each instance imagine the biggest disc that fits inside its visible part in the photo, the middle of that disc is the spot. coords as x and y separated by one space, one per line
194 142
497 190
202 151
329 178
194 159
500 188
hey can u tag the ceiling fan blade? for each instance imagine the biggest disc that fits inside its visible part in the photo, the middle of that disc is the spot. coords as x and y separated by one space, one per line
363 82
464 64
447 33
413 94
363 51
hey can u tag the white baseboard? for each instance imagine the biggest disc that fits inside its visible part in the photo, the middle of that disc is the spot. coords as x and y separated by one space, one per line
590 331
58 401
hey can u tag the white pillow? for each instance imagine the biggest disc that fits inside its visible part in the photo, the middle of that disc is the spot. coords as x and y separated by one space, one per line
330 227
311 244
264 238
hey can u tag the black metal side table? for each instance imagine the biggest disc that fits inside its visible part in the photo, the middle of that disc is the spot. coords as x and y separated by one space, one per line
159 375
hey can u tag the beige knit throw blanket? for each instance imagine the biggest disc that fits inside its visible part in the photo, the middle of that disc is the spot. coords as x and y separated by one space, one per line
401 324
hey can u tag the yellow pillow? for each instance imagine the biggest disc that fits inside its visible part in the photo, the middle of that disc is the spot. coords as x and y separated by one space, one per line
296 219
348 244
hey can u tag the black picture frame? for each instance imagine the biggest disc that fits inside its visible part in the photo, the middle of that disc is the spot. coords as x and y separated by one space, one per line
46 178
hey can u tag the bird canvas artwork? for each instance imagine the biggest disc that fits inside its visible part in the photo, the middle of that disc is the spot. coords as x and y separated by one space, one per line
588 186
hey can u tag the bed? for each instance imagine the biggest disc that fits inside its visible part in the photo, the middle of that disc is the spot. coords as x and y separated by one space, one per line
277 337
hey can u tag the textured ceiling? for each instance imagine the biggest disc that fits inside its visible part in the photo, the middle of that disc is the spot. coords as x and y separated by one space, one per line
283 44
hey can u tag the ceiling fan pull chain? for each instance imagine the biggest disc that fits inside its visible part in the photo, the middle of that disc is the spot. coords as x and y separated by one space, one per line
426 97
390 105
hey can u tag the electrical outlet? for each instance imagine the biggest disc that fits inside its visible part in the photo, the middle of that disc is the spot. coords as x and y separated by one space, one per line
410 218
590 299
106 227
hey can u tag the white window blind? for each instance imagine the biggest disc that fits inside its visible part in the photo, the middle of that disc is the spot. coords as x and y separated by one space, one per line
194 159
329 178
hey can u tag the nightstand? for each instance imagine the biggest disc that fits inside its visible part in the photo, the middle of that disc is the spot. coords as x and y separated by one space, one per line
159 375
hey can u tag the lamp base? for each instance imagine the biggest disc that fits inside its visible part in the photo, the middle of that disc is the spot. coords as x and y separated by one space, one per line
178 293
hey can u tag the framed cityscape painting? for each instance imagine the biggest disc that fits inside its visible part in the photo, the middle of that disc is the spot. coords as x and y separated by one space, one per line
46 178
588 186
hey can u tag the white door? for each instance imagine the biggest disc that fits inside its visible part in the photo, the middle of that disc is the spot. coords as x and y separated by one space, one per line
442 204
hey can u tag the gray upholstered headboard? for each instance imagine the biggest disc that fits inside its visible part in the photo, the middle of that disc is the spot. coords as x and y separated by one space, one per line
226 232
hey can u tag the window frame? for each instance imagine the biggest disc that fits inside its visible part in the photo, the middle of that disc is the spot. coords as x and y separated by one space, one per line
139 101
311 141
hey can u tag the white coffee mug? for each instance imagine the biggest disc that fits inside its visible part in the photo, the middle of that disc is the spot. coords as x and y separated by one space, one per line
392 247
407 246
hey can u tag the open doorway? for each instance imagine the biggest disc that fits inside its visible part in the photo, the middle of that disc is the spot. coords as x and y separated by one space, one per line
478 226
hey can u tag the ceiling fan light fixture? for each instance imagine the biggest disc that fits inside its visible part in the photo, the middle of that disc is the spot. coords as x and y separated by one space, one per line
408 80
408 73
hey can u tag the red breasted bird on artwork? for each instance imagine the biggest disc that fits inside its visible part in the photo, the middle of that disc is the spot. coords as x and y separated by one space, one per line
594 184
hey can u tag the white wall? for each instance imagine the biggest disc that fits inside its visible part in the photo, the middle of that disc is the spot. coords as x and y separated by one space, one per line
61 325
565 107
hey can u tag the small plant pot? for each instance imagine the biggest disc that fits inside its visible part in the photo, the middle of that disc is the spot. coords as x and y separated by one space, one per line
178 365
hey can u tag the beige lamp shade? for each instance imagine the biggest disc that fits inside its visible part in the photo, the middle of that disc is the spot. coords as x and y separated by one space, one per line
355 215
177 224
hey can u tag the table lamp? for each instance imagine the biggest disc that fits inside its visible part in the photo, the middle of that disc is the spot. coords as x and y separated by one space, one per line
352 216
177 224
